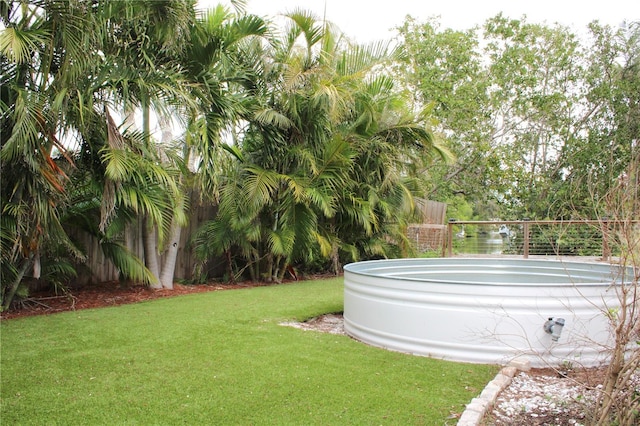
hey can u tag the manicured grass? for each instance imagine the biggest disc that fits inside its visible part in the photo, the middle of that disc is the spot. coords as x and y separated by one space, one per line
220 358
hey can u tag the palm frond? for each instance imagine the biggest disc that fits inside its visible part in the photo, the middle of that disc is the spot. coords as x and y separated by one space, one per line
297 186
259 185
352 251
127 263
360 212
23 143
281 241
58 270
303 221
336 163
240 5
249 26
325 201
359 60
273 118
324 243
307 24
213 238
19 45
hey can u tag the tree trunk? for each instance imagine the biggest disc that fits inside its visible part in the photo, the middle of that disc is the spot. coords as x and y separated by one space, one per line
232 275
270 269
335 258
149 231
16 283
254 267
286 266
171 256
37 266
149 239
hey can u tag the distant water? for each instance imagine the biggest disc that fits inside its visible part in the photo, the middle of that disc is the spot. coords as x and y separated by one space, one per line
489 243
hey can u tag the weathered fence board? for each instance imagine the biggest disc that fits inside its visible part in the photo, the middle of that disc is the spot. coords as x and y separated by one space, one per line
430 234
97 268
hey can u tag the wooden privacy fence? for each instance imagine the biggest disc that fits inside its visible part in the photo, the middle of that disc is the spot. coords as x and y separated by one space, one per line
98 269
430 234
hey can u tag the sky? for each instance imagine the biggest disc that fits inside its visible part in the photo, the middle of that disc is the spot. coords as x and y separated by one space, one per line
370 20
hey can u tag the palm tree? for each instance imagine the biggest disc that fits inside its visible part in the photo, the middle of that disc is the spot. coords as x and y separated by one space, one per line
41 57
337 94
393 147
63 66
220 64
321 122
144 42
271 201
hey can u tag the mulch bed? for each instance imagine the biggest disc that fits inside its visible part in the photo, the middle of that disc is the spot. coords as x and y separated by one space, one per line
117 293
103 295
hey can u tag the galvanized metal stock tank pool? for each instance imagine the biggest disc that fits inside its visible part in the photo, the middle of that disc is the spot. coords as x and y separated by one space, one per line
483 310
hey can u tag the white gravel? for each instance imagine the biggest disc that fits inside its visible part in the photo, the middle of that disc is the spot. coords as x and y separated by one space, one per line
551 399
328 323
543 400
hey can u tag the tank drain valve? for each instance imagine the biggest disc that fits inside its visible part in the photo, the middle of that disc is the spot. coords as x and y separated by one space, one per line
553 326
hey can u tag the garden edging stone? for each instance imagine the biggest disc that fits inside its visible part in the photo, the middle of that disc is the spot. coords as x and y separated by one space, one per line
477 408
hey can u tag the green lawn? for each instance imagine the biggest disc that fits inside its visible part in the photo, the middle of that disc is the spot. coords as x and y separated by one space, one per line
220 358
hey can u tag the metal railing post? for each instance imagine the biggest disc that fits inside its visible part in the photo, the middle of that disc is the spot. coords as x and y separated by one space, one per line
526 238
606 251
450 237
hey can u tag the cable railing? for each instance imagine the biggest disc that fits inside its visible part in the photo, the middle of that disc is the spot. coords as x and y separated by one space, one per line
532 237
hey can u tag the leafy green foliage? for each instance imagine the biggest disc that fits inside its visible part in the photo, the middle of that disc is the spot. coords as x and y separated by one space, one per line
328 162
307 142
534 114
64 68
